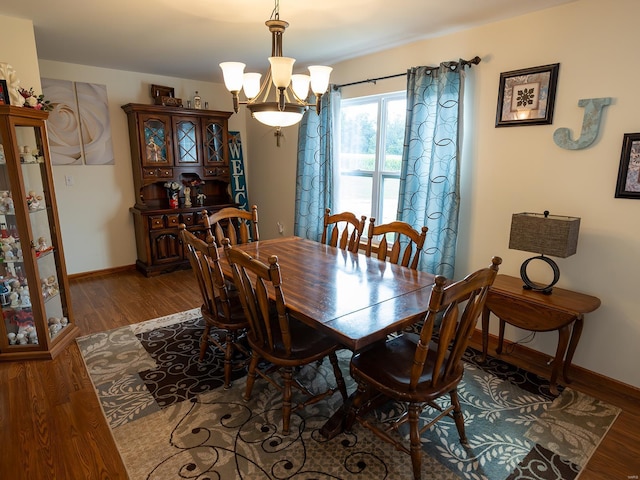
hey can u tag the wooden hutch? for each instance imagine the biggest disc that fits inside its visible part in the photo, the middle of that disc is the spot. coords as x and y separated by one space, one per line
181 145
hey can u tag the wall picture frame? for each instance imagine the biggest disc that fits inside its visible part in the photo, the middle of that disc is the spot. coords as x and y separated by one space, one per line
527 96
5 99
628 185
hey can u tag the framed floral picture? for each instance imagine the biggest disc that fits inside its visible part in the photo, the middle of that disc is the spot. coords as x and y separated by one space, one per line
527 96
628 185
4 93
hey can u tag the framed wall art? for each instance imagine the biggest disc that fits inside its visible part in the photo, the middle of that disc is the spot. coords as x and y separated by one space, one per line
628 185
527 96
79 127
4 93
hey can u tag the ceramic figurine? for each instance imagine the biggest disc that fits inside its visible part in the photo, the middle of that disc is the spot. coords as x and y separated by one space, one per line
187 197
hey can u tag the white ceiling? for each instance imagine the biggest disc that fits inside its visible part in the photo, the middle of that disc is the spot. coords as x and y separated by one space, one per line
189 38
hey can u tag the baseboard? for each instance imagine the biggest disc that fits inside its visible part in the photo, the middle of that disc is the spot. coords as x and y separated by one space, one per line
587 381
106 271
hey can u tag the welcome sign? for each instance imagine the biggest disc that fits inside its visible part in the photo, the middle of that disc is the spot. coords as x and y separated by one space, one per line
238 181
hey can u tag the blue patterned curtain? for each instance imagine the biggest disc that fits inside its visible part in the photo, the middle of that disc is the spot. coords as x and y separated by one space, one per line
429 176
315 174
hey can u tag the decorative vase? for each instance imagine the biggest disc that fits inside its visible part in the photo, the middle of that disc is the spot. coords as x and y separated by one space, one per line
173 203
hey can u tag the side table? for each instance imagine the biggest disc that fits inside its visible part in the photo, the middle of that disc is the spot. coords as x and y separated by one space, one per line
562 310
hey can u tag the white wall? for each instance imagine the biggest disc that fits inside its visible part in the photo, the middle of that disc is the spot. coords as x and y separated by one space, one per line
16 35
515 169
97 227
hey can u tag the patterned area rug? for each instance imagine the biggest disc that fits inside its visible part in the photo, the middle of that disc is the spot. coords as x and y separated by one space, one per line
171 419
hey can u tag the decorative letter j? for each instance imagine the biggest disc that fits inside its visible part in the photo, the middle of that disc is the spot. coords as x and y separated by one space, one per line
590 125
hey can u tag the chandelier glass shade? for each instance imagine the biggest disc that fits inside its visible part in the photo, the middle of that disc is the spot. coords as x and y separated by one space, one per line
287 103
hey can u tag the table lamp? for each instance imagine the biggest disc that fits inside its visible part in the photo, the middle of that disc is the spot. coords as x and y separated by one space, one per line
547 235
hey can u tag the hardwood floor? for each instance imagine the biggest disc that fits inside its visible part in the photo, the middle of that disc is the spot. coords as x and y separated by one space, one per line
52 427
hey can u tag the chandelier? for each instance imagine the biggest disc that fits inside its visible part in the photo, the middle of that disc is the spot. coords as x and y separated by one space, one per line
288 103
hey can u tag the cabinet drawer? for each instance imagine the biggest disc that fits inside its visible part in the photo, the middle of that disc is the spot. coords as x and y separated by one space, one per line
173 220
157 172
156 222
187 219
216 171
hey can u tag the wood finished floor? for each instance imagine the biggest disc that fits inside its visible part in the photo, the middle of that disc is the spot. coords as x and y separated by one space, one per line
52 427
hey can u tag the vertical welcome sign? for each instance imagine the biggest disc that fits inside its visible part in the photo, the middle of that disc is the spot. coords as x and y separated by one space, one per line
238 181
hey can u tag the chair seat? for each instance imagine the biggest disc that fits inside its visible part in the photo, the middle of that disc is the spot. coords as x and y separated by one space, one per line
394 379
236 320
307 344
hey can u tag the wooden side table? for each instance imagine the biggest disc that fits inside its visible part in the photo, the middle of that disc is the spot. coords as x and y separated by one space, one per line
563 310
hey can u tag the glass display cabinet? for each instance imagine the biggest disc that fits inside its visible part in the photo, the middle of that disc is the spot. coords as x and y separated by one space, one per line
37 320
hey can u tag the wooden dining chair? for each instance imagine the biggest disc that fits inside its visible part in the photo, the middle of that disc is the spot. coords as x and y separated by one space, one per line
396 242
276 336
236 224
220 308
417 370
343 230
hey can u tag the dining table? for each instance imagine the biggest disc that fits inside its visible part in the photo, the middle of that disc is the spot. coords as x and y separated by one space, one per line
357 300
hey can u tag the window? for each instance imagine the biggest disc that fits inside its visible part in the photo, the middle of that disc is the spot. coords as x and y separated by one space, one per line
369 155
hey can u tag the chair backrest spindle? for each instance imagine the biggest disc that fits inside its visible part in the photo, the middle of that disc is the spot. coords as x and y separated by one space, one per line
343 230
406 245
239 226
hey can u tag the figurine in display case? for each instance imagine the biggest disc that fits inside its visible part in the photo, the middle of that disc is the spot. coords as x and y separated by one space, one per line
6 202
33 200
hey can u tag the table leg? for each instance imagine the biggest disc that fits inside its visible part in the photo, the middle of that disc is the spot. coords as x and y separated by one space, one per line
573 343
485 333
500 337
563 341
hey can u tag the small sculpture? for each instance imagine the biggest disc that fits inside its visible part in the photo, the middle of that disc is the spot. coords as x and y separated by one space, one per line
187 197
6 202
42 244
33 200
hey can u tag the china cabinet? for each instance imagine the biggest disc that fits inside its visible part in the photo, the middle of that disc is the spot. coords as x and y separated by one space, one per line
37 320
180 160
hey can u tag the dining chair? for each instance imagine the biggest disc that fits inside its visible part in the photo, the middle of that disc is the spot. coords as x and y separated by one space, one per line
418 369
236 224
343 230
406 242
220 308
276 336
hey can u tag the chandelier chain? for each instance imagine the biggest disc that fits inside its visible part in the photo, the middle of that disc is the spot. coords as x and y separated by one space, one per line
275 14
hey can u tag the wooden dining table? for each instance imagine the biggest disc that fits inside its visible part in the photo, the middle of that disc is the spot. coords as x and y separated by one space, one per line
356 299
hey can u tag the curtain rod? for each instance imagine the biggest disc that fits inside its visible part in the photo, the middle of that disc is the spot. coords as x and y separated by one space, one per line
474 61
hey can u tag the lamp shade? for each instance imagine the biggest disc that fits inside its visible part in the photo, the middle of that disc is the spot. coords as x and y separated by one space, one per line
319 78
281 68
251 84
545 234
300 85
232 73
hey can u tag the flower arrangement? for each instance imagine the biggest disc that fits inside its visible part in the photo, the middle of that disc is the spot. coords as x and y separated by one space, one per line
31 100
196 182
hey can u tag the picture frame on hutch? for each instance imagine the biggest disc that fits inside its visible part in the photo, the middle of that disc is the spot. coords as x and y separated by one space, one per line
628 185
527 96
4 93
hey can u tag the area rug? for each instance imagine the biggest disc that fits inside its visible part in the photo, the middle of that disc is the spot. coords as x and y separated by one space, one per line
171 418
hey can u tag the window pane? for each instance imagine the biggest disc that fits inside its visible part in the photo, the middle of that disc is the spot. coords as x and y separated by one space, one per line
358 132
390 189
355 194
394 134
